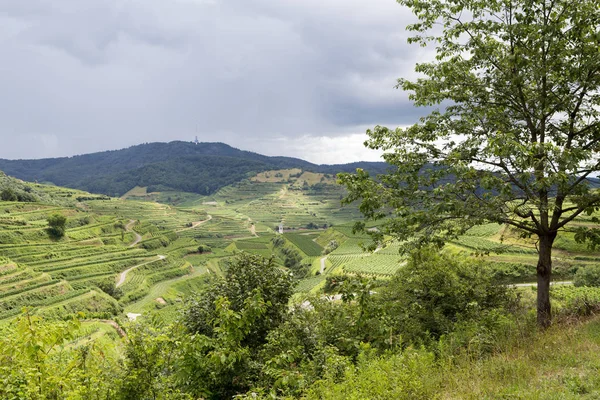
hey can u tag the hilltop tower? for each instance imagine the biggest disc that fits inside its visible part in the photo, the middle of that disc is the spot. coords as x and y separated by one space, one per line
281 228
196 140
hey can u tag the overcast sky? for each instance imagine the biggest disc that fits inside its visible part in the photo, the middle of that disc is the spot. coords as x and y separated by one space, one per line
301 78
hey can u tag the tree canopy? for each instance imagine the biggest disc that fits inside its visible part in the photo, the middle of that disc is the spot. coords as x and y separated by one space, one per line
515 136
56 225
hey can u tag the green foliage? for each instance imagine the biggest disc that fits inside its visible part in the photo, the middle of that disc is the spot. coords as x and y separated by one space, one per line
506 273
433 292
156 243
515 141
370 264
587 276
37 363
576 301
89 304
108 286
321 340
331 246
293 260
245 274
278 241
203 249
8 195
404 375
220 366
485 230
309 284
151 352
486 246
250 245
56 226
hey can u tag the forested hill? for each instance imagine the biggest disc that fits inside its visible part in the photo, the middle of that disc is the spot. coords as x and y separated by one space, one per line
183 166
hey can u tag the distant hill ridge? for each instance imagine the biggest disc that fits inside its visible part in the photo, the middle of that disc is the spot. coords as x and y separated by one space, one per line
182 166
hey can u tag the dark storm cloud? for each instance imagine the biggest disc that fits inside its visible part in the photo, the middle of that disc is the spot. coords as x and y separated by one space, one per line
81 76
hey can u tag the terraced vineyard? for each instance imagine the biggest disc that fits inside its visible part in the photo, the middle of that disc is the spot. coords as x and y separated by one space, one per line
484 245
79 272
305 242
116 252
142 257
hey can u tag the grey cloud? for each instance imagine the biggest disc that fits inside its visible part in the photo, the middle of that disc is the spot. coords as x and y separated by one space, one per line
81 76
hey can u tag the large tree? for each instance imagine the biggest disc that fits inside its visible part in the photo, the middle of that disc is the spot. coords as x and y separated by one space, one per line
515 134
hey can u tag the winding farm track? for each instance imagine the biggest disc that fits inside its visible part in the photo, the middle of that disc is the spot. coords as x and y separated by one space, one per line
138 237
114 324
323 265
195 224
123 274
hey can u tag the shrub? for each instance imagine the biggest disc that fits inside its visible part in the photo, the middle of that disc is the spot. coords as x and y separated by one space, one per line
333 244
26 197
56 226
204 249
573 302
400 376
587 276
245 274
8 195
433 292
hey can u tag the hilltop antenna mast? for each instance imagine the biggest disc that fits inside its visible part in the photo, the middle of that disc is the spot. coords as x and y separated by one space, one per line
197 130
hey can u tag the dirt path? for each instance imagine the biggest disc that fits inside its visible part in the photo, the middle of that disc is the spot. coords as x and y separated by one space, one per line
323 265
283 192
196 224
138 237
123 274
252 228
114 324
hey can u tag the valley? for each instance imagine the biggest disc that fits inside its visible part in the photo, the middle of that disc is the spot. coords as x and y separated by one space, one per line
142 253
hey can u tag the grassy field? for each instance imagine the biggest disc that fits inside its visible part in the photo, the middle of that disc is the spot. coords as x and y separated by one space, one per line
561 363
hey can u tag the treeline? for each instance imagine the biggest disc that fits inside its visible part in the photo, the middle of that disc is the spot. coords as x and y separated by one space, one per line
181 166
12 189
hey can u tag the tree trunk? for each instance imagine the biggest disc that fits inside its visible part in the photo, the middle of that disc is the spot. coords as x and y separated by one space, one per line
544 273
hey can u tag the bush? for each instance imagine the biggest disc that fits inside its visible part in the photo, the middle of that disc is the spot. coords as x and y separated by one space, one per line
333 244
204 249
56 226
278 241
245 274
574 302
401 376
587 276
8 195
26 197
108 286
434 292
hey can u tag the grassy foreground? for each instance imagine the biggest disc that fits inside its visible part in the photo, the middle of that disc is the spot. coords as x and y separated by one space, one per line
561 363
